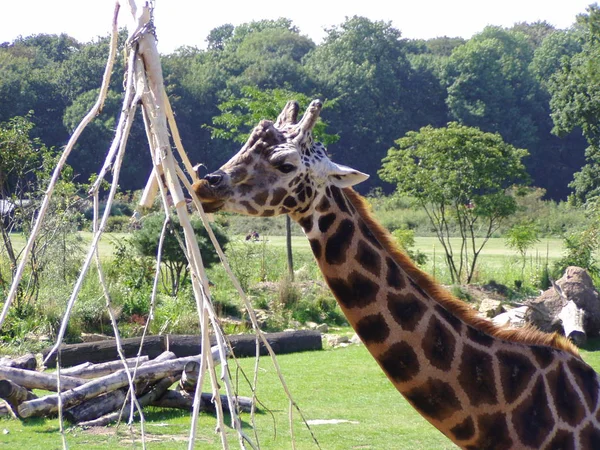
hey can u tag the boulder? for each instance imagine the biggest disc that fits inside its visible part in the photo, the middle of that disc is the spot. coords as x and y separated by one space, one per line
571 306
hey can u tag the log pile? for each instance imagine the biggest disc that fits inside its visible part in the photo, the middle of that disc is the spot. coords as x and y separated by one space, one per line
98 394
95 392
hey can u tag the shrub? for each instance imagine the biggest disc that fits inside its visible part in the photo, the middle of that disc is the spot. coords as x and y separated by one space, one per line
116 224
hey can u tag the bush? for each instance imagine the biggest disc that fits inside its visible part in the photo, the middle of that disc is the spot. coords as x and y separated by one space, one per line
117 224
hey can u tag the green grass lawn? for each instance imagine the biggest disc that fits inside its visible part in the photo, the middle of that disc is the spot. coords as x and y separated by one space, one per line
344 384
106 244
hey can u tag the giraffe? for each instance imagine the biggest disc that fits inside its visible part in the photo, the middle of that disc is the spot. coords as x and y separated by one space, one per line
482 386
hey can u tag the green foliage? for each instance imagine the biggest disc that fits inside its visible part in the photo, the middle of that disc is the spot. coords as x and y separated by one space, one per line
145 241
575 102
376 84
581 247
458 175
240 114
406 240
521 237
483 91
580 251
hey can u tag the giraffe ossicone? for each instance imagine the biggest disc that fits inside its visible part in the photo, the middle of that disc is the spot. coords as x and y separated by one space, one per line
483 386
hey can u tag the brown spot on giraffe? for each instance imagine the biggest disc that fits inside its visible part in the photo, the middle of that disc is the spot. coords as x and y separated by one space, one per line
400 362
484 387
407 310
439 344
336 247
515 372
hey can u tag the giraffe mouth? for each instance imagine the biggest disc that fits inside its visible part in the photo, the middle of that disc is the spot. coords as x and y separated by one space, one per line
211 202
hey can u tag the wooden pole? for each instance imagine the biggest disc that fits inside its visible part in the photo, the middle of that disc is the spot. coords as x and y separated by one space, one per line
288 240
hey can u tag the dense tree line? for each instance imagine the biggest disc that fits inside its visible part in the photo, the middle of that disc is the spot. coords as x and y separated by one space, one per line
535 85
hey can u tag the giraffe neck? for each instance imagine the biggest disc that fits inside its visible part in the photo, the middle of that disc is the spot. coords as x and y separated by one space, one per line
481 386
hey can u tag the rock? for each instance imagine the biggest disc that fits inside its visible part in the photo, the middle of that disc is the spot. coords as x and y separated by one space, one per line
576 287
514 318
311 325
355 339
334 340
490 307
322 328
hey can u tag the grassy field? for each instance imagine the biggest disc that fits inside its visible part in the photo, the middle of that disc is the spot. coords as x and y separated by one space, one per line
344 384
335 384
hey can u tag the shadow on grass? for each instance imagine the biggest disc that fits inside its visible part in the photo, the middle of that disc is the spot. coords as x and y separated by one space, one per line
592 345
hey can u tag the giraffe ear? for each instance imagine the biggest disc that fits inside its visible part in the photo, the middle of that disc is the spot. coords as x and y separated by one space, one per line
344 176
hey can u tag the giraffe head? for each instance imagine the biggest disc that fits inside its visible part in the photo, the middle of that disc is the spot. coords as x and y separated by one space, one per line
279 170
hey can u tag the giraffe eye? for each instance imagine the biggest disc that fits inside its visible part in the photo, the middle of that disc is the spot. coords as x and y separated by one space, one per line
286 168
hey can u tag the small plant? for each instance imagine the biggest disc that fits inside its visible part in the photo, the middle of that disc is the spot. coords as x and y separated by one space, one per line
522 237
579 251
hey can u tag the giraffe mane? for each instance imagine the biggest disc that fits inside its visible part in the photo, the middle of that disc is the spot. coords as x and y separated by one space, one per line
527 335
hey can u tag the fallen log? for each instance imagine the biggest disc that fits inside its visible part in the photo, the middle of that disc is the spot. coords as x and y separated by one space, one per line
183 345
89 370
244 345
96 407
184 400
26 362
155 393
14 394
148 373
189 376
109 402
103 351
31 379
572 319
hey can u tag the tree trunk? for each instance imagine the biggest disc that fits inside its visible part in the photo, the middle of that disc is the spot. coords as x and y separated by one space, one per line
30 379
189 376
572 321
148 373
110 401
155 393
184 345
14 394
288 240
88 370
26 362
96 407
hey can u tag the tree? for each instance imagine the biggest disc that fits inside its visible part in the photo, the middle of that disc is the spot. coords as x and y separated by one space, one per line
239 115
575 102
174 275
521 237
363 66
26 165
459 175
492 85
